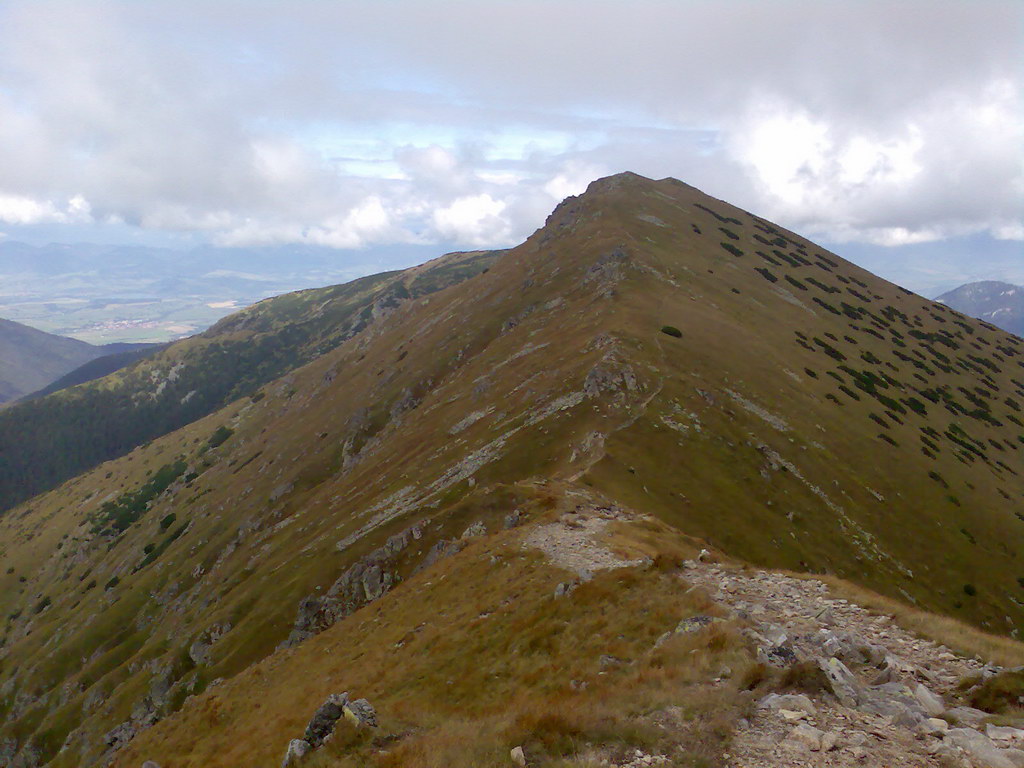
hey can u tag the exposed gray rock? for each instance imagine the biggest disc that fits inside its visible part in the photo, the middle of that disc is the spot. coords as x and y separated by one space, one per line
321 725
476 529
979 748
966 715
365 581
1004 733
807 735
781 655
842 682
930 702
796 702
518 756
361 713
150 764
512 519
297 749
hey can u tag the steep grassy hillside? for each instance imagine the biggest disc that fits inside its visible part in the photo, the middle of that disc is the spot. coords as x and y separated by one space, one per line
650 347
30 359
48 440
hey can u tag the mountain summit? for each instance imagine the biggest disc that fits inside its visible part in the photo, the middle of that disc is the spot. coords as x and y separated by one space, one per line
474 510
999 303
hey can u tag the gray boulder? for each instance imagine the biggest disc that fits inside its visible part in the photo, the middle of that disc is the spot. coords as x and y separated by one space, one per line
361 713
807 735
795 702
322 724
297 749
979 748
930 702
842 682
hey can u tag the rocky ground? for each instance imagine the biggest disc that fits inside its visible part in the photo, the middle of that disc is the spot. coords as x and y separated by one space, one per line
886 697
888 689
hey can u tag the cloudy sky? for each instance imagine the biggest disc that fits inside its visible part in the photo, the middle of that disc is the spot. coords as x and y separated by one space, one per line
890 131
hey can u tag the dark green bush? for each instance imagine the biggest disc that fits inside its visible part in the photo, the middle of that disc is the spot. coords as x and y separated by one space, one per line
671 330
219 435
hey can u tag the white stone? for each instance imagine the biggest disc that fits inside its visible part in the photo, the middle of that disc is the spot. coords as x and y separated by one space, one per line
518 756
807 735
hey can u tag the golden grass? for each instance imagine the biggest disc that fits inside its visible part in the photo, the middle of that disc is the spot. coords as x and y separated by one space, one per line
958 636
476 656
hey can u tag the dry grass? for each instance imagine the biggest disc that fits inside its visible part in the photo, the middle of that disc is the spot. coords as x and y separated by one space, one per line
476 656
958 636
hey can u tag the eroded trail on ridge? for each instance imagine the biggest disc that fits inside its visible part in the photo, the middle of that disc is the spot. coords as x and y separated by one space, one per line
889 689
871 693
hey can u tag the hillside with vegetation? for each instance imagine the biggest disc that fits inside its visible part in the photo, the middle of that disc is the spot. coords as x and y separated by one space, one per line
50 439
533 510
30 359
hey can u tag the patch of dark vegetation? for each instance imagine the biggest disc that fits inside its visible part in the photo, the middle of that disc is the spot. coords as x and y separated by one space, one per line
723 219
219 436
114 517
671 330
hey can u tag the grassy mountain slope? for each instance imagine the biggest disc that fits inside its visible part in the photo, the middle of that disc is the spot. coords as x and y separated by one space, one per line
30 359
799 413
48 440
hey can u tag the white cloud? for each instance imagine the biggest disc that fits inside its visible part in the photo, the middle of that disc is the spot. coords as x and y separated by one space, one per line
1011 231
475 220
879 123
20 209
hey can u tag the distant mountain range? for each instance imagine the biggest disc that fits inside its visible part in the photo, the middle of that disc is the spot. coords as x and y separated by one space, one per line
103 294
999 303
31 359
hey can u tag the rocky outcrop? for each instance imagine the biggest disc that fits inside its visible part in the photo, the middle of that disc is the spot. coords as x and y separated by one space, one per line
321 725
365 581
359 712
297 749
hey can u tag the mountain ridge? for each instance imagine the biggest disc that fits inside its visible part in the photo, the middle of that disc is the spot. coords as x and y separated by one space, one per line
31 359
649 349
998 302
